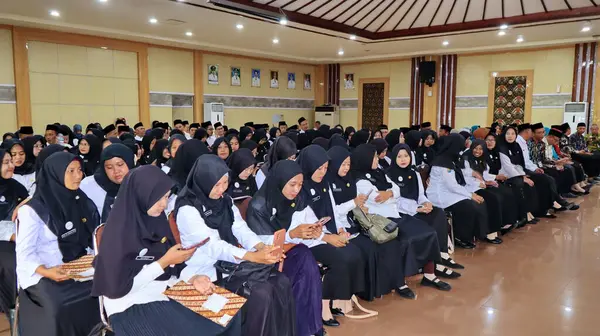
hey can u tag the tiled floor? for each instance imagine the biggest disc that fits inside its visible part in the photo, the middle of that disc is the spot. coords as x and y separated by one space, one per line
544 280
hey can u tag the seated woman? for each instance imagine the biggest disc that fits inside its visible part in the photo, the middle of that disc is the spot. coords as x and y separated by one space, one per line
175 141
160 153
413 202
429 138
24 164
138 257
423 249
345 266
55 227
88 150
448 190
382 148
115 162
221 148
414 141
513 163
203 210
278 205
274 133
260 137
12 193
284 148
383 262
234 142
243 185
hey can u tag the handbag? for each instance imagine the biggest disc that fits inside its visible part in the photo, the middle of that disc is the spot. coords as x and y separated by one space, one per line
244 275
380 229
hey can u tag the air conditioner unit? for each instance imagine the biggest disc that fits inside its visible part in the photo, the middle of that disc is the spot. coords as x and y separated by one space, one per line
214 112
328 114
575 113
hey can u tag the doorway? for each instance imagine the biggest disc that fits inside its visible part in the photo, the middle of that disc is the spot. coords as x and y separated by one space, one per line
373 102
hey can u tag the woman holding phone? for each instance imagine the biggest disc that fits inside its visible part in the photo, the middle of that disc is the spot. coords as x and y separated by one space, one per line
278 205
243 184
204 211
345 267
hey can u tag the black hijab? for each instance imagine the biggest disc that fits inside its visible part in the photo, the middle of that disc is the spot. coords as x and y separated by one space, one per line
349 132
282 149
478 164
406 178
29 143
132 239
28 165
239 161
46 152
157 152
337 140
216 213
392 138
91 159
512 150
303 141
201 134
273 133
11 193
381 145
249 144
316 193
244 131
493 157
342 188
98 133
187 154
270 210
428 153
217 143
69 214
320 141
360 167
324 131
359 138
449 156
100 176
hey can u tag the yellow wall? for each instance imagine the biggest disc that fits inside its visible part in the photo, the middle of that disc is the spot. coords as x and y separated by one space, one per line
399 74
552 69
8 111
170 70
78 85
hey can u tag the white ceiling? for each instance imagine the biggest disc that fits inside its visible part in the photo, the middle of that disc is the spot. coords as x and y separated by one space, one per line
215 31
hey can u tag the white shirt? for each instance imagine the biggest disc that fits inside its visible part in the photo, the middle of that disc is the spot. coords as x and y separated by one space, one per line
213 78
28 181
510 169
349 84
526 155
255 81
306 216
138 138
307 84
235 80
341 211
385 209
187 136
193 230
274 83
260 178
409 206
291 84
443 190
7 229
36 246
166 169
94 191
211 139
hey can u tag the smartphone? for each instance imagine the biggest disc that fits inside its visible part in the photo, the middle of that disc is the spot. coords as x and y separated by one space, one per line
202 243
323 221
279 240
354 235
420 207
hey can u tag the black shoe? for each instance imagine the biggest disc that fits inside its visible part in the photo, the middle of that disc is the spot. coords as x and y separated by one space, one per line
406 293
561 209
508 229
569 195
449 263
336 312
495 241
331 323
443 274
574 207
550 216
462 244
439 284
521 223
535 220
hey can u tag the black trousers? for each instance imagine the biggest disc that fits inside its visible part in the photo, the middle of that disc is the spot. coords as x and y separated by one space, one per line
546 191
565 179
590 163
470 220
437 220
8 276
510 213
524 194
345 270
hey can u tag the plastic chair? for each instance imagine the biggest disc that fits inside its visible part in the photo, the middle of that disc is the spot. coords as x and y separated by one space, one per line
450 220
97 238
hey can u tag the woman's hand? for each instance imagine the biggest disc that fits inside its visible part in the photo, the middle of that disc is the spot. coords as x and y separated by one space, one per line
176 255
303 231
335 240
360 200
383 196
528 181
482 185
477 198
54 273
268 255
203 284
501 177
491 183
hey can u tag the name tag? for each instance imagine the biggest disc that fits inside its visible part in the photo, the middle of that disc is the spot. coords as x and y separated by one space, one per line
144 258
208 213
316 199
68 233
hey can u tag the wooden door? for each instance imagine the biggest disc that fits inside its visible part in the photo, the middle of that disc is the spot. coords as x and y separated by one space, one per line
373 99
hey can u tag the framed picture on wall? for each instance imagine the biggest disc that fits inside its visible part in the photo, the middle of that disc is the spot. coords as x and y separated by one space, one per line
307 84
291 80
213 74
274 79
235 76
255 77
349 81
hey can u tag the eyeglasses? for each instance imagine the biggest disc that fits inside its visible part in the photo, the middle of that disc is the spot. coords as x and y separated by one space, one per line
490 140
38 146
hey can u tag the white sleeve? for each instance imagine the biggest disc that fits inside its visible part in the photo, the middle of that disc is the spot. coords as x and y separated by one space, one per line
527 156
341 211
508 167
406 206
422 198
487 176
246 237
472 182
148 274
395 188
365 187
30 227
259 178
193 230
7 229
306 216
449 181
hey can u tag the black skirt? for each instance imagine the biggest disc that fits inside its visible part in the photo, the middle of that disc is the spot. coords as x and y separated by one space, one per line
546 193
493 203
168 318
270 308
510 213
58 309
345 270
469 219
8 276
421 243
437 220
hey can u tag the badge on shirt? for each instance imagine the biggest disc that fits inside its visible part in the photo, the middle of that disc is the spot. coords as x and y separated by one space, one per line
69 225
368 175
348 184
400 178
312 192
236 184
332 186
142 255
163 240
293 205
70 230
2 199
324 189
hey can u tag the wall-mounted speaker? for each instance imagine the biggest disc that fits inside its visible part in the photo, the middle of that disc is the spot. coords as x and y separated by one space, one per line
427 72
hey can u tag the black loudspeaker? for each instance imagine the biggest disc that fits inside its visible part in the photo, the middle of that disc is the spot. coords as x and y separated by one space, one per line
427 72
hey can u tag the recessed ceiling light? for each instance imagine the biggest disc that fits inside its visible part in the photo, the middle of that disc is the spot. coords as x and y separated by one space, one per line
153 20
283 21
189 33
568 309
239 26
341 52
55 13
275 41
180 0
445 43
353 37
490 311
501 33
103 48
504 26
102 0
520 39
586 29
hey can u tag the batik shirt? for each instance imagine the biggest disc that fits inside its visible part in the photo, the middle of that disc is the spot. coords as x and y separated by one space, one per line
578 142
538 152
565 146
592 142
